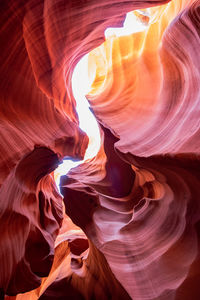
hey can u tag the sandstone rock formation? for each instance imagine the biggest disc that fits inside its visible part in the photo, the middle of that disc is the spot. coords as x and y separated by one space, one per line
127 222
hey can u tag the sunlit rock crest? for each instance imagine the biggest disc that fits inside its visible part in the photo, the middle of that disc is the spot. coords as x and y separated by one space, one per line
127 225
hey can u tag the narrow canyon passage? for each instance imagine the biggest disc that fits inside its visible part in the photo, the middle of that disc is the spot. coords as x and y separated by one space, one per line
99 156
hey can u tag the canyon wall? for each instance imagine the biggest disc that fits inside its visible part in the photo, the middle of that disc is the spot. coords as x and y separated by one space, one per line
126 224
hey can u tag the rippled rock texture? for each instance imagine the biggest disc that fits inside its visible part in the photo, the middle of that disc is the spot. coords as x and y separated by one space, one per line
128 223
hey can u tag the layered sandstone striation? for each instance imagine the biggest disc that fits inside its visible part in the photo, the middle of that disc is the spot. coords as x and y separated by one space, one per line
126 224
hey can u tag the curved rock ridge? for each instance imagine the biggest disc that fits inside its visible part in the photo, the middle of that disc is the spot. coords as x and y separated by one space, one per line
78 276
152 76
150 237
31 215
127 224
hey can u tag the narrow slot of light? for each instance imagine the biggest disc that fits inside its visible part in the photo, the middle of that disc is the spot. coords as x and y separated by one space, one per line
81 85
135 21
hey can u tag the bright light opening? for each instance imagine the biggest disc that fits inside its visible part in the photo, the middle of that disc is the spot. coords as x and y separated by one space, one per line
135 21
81 85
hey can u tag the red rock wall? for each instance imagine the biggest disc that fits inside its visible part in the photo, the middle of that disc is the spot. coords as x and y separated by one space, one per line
127 226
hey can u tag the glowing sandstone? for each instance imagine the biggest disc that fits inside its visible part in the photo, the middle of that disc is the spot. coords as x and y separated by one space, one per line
139 77
134 207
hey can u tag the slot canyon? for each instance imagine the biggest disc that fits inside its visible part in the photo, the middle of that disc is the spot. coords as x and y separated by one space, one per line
100 150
